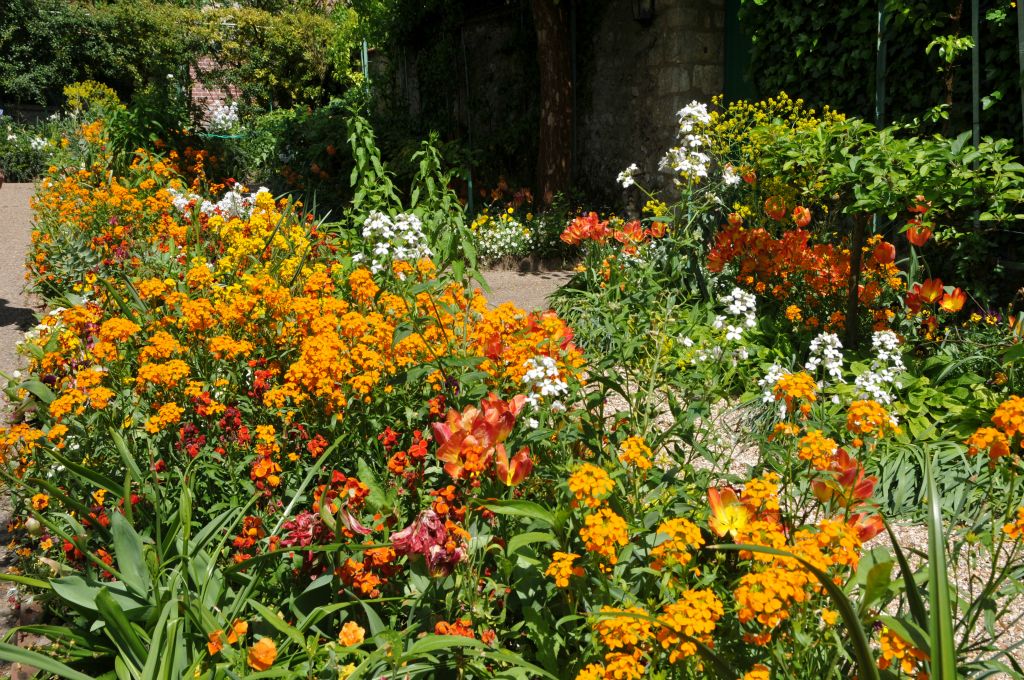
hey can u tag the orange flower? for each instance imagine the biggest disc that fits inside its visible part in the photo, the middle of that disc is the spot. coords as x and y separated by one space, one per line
239 629
728 514
953 302
885 253
918 234
214 643
801 216
775 208
40 502
931 291
351 634
262 654
514 471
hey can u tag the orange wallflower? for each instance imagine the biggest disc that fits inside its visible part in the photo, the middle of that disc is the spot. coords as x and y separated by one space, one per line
262 654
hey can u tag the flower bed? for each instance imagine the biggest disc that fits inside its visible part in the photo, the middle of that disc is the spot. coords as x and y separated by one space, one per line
254 444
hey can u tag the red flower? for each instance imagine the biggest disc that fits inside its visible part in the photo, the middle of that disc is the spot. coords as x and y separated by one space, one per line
801 216
917 233
775 208
885 253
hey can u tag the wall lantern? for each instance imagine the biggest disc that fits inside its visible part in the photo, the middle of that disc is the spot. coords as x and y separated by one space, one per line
643 11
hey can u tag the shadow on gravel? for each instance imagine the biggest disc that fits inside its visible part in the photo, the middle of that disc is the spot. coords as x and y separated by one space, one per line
22 317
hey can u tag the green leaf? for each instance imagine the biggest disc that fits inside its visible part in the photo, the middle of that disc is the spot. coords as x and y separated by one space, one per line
278 623
120 630
13 654
41 391
518 508
130 559
520 540
940 622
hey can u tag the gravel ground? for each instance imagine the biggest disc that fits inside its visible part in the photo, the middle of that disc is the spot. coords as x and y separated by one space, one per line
529 290
17 315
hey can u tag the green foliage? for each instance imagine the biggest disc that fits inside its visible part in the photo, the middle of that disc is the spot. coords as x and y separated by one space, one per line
826 54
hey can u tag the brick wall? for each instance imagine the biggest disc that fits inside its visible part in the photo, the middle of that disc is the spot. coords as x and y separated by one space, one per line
206 97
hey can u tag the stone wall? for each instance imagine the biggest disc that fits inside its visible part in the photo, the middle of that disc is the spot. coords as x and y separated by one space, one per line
632 81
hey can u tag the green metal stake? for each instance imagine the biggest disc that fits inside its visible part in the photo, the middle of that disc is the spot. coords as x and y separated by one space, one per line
365 56
1020 58
975 78
880 50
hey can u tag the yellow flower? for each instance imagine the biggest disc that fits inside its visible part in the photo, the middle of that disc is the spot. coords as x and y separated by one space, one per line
635 452
352 634
561 568
602 532
590 484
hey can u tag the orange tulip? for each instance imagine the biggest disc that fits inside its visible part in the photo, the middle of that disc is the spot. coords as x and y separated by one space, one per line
657 229
868 526
775 208
728 513
920 206
801 216
514 471
749 176
917 233
885 253
953 302
931 291
735 220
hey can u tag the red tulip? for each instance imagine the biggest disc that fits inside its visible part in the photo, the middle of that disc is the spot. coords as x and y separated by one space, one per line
801 216
749 176
735 220
885 253
917 233
868 526
775 208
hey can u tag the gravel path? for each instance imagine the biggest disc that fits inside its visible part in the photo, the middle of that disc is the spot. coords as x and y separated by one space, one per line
529 290
17 313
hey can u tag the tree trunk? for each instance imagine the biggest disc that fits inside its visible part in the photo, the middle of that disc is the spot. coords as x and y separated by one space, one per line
554 152
858 239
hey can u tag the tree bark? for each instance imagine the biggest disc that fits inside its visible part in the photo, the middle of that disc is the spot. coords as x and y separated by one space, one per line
554 152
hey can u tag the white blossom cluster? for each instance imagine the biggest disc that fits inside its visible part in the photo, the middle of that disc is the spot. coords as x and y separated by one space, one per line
740 308
883 375
223 118
398 238
687 158
729 176
826 353
37 143
544 382
232 204
501 237
626 177
767 385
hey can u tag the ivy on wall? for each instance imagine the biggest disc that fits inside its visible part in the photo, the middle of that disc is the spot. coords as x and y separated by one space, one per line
825 53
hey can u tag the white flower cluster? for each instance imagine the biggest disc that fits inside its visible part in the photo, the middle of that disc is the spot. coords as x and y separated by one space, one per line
740 308
502 236
883 375
767 385
37 143
730 177
827 353
398 238
626 177
687 158
223 118
232 204
544 382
